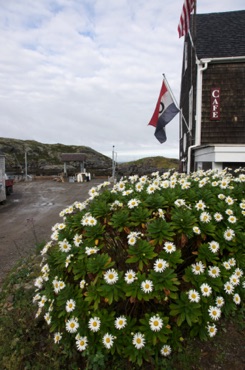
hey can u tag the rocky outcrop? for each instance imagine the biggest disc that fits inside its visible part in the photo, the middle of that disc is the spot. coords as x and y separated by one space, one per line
46 159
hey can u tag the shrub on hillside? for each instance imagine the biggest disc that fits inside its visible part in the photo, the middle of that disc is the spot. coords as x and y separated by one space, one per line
145 263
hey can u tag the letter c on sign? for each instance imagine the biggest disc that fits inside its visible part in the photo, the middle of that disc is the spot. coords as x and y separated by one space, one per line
215 93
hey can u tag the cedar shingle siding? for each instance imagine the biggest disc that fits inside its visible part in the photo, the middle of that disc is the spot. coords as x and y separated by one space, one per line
230 129
219 40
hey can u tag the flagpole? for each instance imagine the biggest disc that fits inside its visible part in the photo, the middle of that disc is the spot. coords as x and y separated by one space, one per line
170 91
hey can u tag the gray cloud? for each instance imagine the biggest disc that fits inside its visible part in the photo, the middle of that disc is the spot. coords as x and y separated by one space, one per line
89 72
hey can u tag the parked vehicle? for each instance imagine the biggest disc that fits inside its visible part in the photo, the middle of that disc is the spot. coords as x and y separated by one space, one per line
9 185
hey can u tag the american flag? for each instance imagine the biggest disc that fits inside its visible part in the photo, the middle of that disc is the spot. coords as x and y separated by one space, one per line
184 23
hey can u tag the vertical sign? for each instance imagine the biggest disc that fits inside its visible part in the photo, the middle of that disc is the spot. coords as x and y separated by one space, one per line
215 104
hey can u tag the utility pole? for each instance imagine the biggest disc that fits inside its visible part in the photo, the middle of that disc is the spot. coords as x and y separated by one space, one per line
113 164
25 164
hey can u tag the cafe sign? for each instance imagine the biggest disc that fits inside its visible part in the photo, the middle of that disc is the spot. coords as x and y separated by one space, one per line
215 104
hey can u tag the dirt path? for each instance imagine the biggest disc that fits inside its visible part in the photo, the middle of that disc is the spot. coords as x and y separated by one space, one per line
29 214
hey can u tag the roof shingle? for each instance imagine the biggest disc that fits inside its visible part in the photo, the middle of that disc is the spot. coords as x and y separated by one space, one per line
220 34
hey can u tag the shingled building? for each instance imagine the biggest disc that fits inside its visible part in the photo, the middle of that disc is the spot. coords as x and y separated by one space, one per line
212 99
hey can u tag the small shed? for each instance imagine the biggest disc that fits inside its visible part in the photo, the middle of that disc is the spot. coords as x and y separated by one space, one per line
74 157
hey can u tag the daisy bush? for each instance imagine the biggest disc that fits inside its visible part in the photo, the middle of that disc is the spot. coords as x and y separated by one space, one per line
145 263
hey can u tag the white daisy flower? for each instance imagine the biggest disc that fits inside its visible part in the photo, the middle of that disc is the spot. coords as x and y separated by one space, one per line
120 322
232 262
214 271
47 318
229 200
228 287
127 192
60 226
82 284
68 260
165 350
139 340
90 251
179 202
169 247
237 298
214 246
45 268
206 290
139 187
220 301
81 343
242 205
200 205
229 234
57 337
155 323
161 213
214 312
196 230
130 276
218 217
132 240
92 221
65 246
38 282
160 265
212 330
36 298
42 301
133 203
111 276
147 286
205 217
120 186
70 305
232 219
226 265
55 235
224 184
193 296
143 179
151 189
93 192
77 240
238 272
72 325
108 340
229 212
198 268
94 324
165 184
234 280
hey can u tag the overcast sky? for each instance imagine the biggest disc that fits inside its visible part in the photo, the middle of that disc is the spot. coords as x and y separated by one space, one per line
89 72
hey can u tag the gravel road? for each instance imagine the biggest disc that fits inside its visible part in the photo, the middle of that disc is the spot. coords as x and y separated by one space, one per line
29 214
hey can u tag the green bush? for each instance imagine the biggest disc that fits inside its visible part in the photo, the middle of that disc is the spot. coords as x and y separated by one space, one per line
144 264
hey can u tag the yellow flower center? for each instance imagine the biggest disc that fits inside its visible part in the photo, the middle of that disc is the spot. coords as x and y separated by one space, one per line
111 276
95 324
